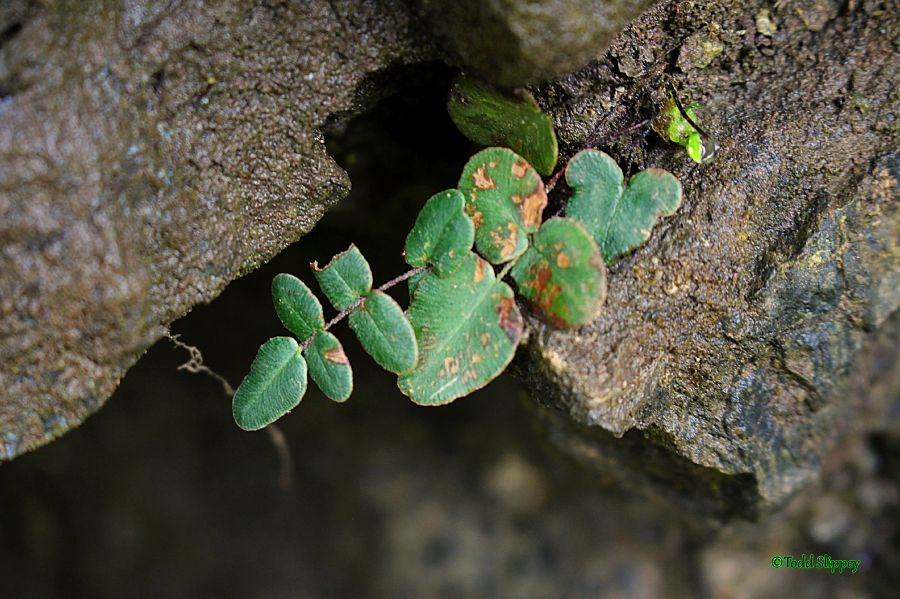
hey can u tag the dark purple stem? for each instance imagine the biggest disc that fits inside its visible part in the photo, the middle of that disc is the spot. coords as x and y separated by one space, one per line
344 313
551 182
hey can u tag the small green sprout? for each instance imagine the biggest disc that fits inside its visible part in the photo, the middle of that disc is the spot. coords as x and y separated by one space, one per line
678 124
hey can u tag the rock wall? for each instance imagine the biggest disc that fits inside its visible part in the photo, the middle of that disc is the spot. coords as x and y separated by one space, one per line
150 152
723 352
514 42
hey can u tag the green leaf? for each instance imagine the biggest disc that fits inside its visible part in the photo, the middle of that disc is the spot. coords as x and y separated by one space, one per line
329 367
672 123
296 306
385 333
620 218
443 233
563 274
468 327
491 118
505 198
273 387
345 279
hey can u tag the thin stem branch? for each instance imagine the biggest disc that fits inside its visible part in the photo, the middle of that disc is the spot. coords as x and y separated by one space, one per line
279 441
346 312
399 279
620 133
285 459
195 363
551 182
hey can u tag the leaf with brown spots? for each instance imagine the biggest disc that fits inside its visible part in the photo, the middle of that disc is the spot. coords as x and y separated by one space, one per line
490 117
562 273
467 326
329 367
620 218
505 198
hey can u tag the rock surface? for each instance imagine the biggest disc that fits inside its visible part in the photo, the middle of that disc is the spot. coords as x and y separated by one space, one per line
150 152
724 349
513 42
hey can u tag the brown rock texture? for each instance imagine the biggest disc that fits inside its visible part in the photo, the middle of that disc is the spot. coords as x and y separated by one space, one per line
150 152
514 42
725 345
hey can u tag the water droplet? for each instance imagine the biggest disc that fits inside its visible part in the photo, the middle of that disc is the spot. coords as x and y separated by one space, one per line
709 147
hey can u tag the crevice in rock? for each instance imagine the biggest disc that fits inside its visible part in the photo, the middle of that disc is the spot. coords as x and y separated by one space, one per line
788 242
399 147
398 152
646 464
9 33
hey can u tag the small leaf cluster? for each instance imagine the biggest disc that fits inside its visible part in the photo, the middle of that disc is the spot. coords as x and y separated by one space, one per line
463 324
673 125
278 376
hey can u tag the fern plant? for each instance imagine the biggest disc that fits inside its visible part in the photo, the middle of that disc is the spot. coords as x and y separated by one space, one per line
463 324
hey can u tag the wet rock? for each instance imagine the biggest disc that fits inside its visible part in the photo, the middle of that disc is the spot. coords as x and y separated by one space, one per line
510 42
152 152
723 353
848 514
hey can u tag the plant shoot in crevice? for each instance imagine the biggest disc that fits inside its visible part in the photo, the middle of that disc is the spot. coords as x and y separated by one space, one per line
463 325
